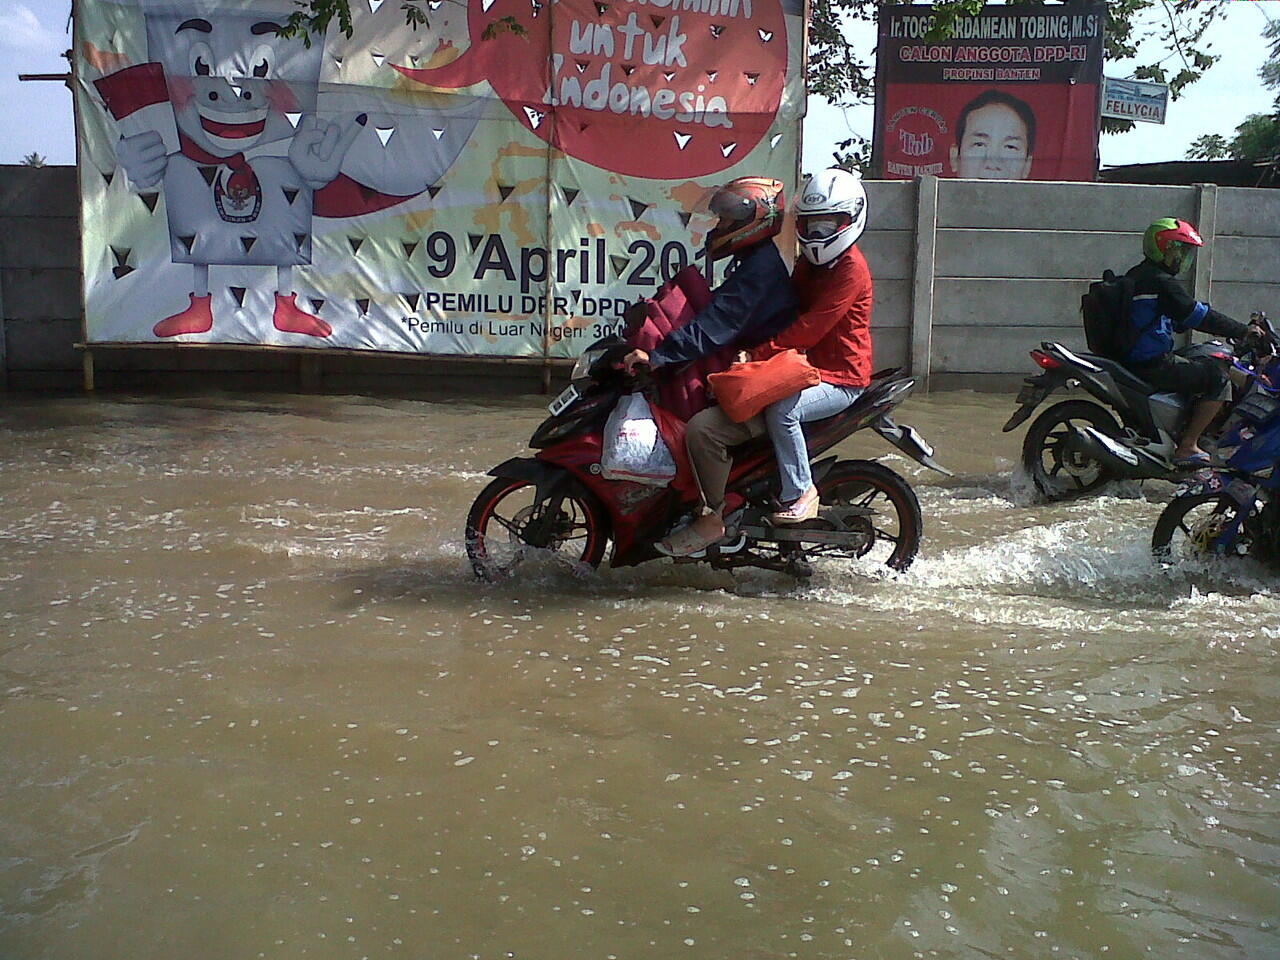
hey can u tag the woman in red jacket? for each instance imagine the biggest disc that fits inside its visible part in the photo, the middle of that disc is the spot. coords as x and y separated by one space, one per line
833 286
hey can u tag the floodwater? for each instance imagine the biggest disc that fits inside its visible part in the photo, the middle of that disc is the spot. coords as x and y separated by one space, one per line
252 704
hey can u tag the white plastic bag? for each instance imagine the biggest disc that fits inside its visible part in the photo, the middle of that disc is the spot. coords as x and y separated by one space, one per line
633 447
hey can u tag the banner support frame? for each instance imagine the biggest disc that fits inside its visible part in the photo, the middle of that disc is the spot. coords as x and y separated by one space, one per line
73 84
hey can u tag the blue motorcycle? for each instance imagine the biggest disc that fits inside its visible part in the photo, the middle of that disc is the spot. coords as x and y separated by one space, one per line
1233 510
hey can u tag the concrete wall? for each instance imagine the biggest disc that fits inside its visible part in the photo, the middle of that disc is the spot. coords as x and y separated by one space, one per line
969 275
39 278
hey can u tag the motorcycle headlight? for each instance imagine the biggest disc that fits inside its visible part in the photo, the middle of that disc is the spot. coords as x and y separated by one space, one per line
585 360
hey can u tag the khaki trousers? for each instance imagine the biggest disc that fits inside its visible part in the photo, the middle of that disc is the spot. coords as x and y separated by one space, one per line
708 437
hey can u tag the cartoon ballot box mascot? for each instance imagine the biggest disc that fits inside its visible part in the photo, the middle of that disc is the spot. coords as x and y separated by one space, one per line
251 161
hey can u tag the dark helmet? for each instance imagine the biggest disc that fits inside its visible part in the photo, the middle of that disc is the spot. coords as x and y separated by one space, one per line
1170 243
750 211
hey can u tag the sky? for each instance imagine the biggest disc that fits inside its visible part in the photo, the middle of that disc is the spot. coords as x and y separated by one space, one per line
33 34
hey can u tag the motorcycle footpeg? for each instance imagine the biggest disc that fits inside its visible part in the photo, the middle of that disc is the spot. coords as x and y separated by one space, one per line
734 541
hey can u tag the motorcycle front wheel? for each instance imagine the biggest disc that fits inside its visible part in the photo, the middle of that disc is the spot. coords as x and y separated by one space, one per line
1190 528
1058 471
509 521
889 518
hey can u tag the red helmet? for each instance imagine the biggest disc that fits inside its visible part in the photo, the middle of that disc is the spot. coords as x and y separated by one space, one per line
1168 242
750 211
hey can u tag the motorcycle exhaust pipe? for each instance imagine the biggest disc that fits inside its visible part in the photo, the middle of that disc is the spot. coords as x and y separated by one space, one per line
1120 460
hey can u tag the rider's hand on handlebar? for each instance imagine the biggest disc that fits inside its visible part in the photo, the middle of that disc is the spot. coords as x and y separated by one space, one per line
1257 337
632 360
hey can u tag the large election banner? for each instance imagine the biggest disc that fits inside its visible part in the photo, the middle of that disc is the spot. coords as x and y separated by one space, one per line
501 180
1012 95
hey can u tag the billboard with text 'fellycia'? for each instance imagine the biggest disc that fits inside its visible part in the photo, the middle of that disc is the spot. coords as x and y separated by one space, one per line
501 180
1011 95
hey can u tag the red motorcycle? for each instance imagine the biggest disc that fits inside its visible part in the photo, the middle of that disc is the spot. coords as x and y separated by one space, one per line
558 502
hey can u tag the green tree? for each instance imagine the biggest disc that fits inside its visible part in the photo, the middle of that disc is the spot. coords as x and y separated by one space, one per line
1211 146
1258 137
33 159
1270 71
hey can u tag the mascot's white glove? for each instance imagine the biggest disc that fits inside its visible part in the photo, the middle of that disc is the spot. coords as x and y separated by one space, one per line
319 146
143 158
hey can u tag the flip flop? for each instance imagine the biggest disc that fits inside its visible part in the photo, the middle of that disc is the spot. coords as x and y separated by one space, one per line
1193 462
685 543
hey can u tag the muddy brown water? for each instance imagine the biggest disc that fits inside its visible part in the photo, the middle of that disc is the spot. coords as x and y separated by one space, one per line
252 704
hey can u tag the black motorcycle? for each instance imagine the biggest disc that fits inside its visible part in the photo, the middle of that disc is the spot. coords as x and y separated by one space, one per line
1077 445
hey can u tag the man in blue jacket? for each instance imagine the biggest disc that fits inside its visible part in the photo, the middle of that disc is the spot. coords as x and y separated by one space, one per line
1162 307
756 300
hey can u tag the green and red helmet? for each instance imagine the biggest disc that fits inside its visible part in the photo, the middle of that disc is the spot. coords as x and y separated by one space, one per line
1169 242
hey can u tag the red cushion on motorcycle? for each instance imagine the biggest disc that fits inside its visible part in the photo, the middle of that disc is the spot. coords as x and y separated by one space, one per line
694 285
673 305
698 294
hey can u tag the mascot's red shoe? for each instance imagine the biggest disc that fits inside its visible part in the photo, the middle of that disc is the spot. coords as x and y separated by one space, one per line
197 318
291 319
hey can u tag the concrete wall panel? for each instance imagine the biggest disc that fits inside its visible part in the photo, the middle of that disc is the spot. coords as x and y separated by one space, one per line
1247 259
1006 303
1245 212
38 191
1029 205
41 344
1241 299
1002 349
41 294
891 205
892 304
43 242
889 253
1034 254
890 348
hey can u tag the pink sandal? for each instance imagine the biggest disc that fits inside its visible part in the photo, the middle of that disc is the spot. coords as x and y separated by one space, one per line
804 508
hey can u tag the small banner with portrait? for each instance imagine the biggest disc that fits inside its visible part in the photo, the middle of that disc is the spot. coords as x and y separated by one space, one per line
1011 95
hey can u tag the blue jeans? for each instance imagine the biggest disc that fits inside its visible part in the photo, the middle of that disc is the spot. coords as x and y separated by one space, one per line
783 420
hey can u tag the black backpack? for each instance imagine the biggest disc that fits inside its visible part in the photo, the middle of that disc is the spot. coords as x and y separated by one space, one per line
1108 329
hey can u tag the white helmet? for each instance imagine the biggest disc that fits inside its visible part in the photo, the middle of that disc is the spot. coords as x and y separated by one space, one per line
831 215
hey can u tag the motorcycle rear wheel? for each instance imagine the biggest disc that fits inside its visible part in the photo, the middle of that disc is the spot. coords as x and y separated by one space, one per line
502 528
1058 473
893 527
1188 527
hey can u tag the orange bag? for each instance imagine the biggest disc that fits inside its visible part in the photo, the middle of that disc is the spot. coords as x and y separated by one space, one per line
747 388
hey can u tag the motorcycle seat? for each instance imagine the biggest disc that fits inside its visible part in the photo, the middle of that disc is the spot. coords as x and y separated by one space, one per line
822 434
811 428
1122 375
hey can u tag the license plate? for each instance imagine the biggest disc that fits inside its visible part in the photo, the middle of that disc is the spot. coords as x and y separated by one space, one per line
562 403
